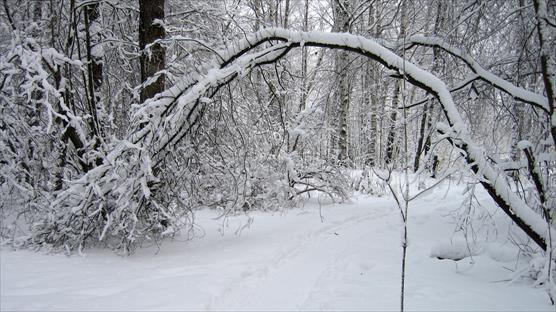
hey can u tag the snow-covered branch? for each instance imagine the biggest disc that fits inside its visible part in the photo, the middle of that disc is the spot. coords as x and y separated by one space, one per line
535 99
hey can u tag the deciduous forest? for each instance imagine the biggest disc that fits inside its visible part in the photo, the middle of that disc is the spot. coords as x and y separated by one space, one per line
121 121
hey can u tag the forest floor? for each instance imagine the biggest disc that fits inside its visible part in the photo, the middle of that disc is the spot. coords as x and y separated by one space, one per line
318 257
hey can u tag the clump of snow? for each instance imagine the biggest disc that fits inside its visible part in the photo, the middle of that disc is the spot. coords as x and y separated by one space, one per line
455 249
524 144
158 22
501 252
205 99
97 52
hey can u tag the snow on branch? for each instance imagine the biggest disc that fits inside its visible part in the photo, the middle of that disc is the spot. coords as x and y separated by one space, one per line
518 93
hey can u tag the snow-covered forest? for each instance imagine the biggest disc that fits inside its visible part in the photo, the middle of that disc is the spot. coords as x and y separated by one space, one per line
420 134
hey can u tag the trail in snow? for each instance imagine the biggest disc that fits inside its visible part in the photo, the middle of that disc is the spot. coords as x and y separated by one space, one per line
309 253
284 261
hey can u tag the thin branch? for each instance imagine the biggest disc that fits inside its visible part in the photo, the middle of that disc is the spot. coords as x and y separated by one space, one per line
8 15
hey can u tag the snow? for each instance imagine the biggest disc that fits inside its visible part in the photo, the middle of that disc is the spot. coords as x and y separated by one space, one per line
287 261
97 52
456 250
524 144
158 22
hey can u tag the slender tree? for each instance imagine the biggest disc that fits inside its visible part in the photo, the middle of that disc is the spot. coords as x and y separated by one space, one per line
342 23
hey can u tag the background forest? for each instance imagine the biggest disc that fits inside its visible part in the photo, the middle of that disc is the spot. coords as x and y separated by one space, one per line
120 119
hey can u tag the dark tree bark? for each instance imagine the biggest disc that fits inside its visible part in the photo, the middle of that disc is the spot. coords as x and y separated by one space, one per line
424 124
153 53
391 138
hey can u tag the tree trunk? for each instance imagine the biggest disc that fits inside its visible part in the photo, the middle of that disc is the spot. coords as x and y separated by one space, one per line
153 53
422 134
287 13
548 61
342 24
94 48
94 63
390 140
423 142
372 98
303 99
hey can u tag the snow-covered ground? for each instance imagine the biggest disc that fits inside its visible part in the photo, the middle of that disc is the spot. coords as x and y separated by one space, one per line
295 260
